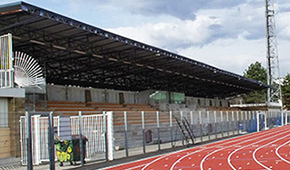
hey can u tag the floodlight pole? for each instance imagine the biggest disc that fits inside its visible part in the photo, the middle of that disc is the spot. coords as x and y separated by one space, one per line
273 71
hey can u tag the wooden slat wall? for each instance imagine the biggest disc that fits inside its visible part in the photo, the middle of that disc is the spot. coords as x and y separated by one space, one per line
5 148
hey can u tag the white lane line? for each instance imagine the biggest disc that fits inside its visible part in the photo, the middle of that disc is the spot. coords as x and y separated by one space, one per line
277 153
232 141
229 157
244 141
254 153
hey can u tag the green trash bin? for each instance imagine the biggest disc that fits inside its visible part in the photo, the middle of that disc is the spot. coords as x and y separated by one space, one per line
69 150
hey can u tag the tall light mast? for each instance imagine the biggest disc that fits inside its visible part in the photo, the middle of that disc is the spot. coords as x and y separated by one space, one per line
273 71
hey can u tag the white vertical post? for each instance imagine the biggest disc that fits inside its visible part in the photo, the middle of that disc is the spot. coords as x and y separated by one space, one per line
208 121
200 126
215 126
37 141
266 120
191 118
126 133
170 124
233 120
286 117
282 121
170 119
228 122
110 133
222 123
258 126
158 129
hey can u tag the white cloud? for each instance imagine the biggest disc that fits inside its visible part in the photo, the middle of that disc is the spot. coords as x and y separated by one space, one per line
174 34
234 54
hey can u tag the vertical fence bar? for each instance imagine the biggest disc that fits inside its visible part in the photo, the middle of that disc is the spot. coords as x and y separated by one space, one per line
110 135
266 117
126 133
228 128
233 122
282 119
51 142
191 119
181 117
208 125
222 123
258 125
81 138
246 120
215 124
286 117
170 124
200 126
237 122
105 136
29 141
143 131
158 129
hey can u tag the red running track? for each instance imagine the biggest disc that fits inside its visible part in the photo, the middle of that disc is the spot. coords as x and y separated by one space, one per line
268 149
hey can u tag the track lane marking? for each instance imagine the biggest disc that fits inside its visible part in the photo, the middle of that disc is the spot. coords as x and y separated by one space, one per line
239 138
254 153
244 141
229 157
277 152
213 145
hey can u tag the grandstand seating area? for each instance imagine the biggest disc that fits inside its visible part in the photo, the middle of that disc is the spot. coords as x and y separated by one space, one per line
68 108
133 111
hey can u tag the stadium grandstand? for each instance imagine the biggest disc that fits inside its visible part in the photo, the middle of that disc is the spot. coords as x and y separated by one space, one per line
90 70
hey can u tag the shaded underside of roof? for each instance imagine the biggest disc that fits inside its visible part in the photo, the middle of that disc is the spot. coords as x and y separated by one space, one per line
74 53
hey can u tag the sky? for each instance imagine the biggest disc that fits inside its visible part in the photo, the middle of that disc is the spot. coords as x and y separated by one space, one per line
228 34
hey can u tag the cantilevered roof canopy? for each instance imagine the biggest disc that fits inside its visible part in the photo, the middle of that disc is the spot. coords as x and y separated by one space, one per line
74 53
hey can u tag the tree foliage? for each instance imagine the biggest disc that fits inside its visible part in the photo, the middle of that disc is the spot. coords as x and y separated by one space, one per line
257 72
286 91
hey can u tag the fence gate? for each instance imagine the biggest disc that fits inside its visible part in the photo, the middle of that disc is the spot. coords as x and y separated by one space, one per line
93 127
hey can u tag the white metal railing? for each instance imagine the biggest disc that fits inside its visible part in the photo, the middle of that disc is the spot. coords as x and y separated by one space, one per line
92 129
6 62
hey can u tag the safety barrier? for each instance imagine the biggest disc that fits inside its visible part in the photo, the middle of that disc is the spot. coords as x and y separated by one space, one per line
92 129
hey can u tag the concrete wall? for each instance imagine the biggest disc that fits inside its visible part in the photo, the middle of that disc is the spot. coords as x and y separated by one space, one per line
77 94
193 101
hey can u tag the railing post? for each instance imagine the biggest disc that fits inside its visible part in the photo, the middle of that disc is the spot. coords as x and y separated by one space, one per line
81 139
222 123
208 123
228 128
51 141
215 124
126 133
29 141
200 126
181 116
258 125
170 124
105 136
158 129
143 131
110 135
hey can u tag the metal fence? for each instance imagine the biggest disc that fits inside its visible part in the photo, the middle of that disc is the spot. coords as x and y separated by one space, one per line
134 132
92 129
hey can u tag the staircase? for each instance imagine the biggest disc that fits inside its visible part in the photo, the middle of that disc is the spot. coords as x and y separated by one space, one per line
185 129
